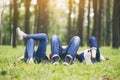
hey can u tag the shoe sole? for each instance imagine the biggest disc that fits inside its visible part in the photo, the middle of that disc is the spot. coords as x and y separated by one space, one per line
55 63
66 64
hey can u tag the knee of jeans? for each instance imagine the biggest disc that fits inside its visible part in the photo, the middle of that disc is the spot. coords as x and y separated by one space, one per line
92 38
77 39
45 36
30 40
93 41
54 37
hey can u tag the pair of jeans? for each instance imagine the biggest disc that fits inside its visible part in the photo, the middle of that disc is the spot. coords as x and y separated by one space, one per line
93 44
71 49
30 52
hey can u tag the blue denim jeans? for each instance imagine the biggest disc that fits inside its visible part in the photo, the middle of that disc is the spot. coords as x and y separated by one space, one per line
93 44
71 49
40 53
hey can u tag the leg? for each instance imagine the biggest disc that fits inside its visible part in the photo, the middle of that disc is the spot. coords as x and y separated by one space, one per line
55 45
22 35
73 46
39 36
72 50
29 51
94 48
40 53
55 49
80 57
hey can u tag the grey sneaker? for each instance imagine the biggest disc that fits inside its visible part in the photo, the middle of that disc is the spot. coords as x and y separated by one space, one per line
68 60
55 59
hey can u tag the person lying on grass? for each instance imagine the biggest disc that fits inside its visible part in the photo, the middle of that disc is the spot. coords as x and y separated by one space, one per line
30 54
91 55
66 53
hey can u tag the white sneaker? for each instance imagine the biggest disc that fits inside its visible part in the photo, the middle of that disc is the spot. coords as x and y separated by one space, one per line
20 33
31 61
87 56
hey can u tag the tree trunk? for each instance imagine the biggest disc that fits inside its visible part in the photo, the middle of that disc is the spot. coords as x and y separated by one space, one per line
95 25
80 20
10 22
108 26
35 19
98 12
15 22
69 21
27 16
116 24
100 18
1 12
88 17
1 23
46 16
38 14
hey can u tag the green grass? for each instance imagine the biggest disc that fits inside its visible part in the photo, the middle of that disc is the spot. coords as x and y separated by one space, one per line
11 69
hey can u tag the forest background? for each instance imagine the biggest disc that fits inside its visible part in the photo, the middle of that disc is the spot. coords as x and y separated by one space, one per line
66 18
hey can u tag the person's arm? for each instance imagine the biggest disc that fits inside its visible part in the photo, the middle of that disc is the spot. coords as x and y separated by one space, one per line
87 56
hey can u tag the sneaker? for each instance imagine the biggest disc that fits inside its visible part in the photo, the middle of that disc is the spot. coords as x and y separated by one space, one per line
20 33
31 61
55 59
68 60
87 57
45 60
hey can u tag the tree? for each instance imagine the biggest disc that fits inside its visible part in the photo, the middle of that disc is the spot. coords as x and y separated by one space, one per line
38 14
15 22
10 21
69 21
1 16
27 16
108 26
88 17
80 20
100 20
95 25
41 16
116 24
98 25
46 16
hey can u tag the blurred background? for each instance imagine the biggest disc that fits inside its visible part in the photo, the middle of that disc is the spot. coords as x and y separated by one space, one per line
65 18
